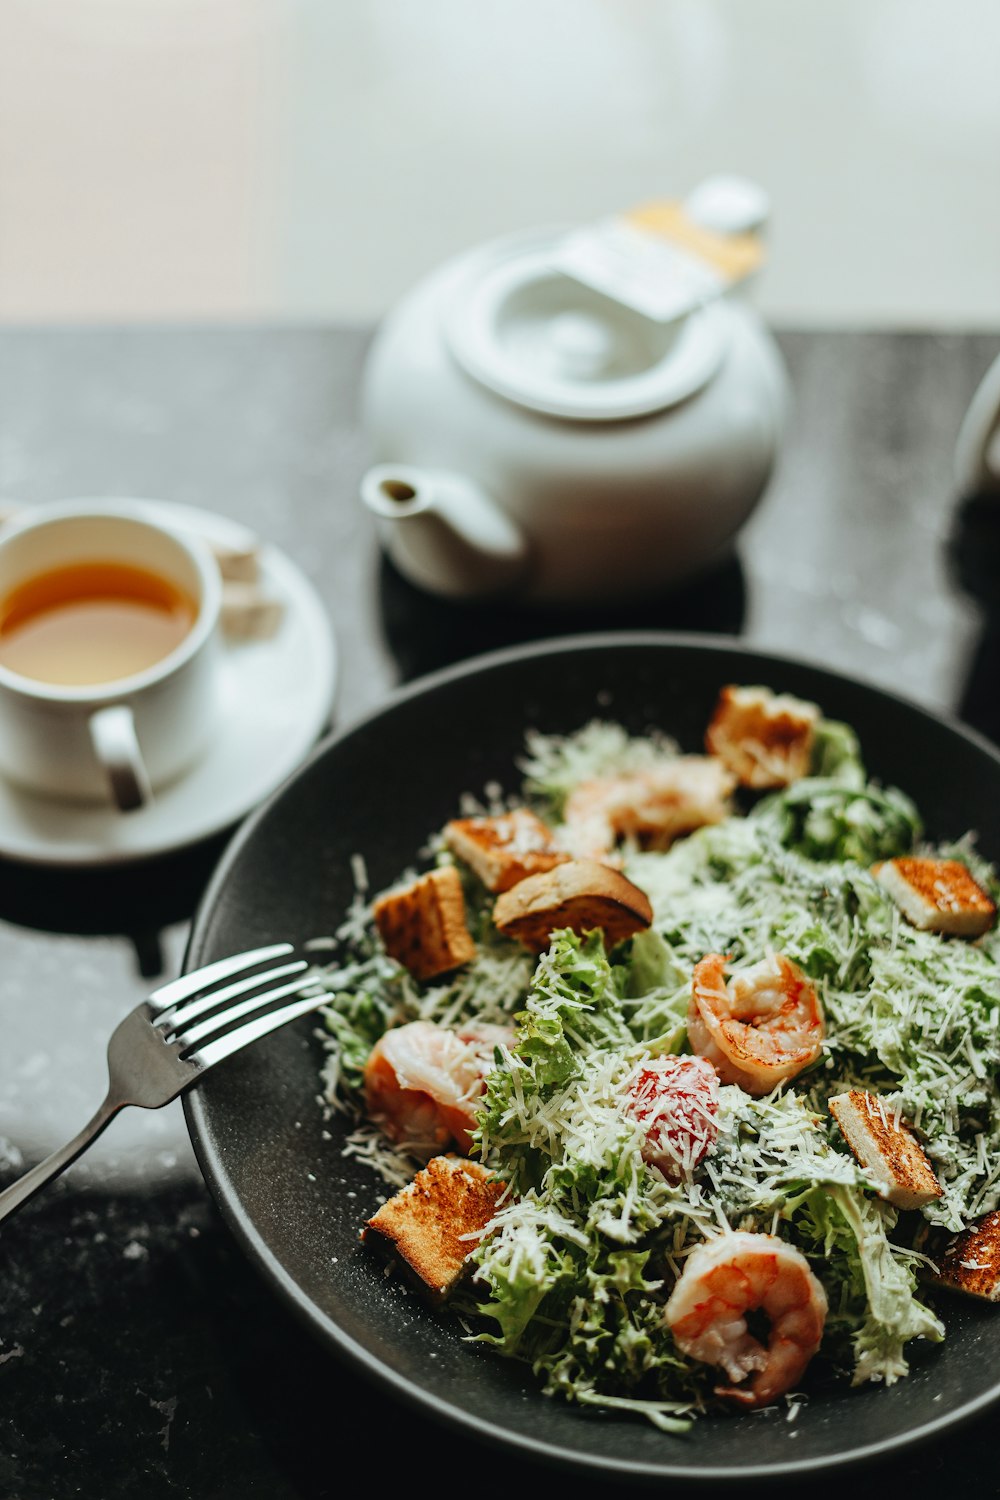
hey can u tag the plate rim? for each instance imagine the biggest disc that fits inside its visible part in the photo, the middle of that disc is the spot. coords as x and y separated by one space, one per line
271 1268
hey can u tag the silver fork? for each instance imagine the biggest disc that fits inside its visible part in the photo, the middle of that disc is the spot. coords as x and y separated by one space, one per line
156 1052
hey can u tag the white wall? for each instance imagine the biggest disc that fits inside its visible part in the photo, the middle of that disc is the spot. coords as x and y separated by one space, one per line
309 158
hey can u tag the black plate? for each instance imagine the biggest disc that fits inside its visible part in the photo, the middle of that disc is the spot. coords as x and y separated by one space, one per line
297 1206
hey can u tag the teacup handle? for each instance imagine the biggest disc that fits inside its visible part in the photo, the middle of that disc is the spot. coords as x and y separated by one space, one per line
112 733
977 452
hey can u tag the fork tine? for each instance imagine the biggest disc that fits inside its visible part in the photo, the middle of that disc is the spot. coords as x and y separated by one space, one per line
146 1069
187 1038
252 1031
173 1020
190 984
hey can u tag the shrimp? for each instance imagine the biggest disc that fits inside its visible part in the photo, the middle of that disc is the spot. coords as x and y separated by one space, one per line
731 1276
654 806
761 1028
424 1082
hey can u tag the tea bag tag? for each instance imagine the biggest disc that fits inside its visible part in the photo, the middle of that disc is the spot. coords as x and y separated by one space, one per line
665 258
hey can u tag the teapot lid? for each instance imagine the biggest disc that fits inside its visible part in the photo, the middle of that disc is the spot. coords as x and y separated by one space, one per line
533 334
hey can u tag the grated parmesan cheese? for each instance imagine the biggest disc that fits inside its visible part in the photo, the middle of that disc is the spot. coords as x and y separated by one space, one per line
594 1226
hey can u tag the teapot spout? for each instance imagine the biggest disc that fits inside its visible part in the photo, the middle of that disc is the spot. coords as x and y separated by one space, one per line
444 532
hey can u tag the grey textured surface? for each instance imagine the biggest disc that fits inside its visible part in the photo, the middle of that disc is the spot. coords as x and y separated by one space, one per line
125 1301
257 426
846 558
844 561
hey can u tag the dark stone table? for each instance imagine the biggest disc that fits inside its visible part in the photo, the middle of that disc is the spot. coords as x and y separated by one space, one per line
140 1355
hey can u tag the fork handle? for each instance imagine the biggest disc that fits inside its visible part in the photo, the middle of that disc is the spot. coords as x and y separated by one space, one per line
12 1198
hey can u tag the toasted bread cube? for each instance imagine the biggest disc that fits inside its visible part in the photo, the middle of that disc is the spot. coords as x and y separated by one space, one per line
765 739
424 1225
937 895
504 850
423 925
654 805
581 895
890 1152
971 1264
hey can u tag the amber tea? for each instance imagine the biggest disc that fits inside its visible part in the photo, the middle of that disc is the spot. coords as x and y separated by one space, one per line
92 622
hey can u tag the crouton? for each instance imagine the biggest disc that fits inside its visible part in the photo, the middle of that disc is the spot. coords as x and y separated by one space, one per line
581 895
937 895
654 805
423 1227
765 739
971 1263
888 1151
423 925
504 850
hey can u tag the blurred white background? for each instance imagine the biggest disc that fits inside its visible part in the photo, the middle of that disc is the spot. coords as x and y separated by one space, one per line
307 159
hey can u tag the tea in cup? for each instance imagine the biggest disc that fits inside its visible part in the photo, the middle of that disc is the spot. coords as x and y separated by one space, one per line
109 628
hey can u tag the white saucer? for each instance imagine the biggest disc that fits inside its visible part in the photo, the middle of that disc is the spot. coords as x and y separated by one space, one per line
277 696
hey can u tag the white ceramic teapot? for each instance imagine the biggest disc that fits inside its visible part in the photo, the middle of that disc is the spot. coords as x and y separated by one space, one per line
538 438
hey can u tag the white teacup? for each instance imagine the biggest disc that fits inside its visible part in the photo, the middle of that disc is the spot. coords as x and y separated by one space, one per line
150 709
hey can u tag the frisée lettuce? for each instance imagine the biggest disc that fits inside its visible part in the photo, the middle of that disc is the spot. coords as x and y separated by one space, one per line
590 1236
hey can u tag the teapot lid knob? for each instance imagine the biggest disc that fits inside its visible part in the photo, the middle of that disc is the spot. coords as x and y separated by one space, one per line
729 205
583 346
